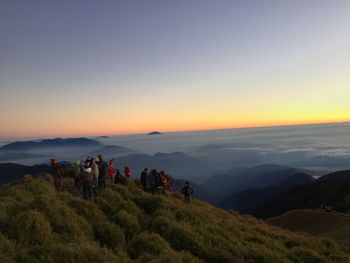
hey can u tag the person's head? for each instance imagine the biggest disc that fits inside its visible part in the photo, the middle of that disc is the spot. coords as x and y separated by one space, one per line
100 157
146 170
187 183
161 172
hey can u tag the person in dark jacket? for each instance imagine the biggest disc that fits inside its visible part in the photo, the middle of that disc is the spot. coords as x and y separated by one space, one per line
102 172
87 181
118 178
187 192
57 174
143 178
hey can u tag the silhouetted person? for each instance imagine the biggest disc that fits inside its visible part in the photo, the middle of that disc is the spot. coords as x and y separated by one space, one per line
143 179
57 175
102 172
187 192
87 181
118 178
94 173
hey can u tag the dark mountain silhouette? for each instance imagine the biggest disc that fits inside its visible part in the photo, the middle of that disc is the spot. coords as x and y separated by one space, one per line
251 200
332 190
50 143
240 179
155 133
10 171
341 176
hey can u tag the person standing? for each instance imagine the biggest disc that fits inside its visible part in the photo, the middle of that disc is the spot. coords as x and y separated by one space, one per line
94 174
87 181
187 192
102 172
57 174
143 179
127 171
118 178
111 171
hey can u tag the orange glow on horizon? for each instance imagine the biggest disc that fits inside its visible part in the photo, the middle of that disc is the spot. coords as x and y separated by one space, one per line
174 128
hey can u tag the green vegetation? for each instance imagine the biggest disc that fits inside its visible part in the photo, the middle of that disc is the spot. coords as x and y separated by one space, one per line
124 224
316 222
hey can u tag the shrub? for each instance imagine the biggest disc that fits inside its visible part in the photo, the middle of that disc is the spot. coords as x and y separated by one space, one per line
109 235
147 243
107 201
7 249
31 228
299 254
150 203
64 220
256 253
72 253
128 222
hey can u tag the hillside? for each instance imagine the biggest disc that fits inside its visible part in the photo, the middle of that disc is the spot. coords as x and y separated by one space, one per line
332 189
316 222
124 224
252 200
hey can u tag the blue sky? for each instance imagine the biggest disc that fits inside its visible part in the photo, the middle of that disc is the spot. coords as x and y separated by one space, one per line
133 66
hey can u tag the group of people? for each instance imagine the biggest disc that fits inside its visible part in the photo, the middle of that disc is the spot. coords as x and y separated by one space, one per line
155 182
91 175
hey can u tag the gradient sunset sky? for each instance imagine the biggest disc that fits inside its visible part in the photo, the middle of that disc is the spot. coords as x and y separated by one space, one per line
70 68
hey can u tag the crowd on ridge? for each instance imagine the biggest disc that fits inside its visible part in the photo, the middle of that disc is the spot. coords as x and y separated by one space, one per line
91 176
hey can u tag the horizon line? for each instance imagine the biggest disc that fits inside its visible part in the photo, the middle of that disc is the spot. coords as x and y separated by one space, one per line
179 131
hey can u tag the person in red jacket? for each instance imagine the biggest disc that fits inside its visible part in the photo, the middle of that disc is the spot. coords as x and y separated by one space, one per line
127 171
111 171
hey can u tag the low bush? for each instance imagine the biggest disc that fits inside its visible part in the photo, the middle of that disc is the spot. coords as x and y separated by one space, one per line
31 228
128 222
147 243
109 235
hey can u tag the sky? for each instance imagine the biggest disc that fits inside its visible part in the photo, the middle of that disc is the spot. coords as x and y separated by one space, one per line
83 67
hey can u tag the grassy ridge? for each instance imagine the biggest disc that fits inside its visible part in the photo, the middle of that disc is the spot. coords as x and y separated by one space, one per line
123 224
316 222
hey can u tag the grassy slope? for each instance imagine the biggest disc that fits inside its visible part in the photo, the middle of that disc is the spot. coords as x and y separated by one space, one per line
316 222
124 224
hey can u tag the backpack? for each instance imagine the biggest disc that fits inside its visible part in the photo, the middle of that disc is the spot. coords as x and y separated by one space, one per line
157 180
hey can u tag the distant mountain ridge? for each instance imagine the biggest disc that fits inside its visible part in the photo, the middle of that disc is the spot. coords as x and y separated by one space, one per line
10 172
45 143
251 200
332 189
240 179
